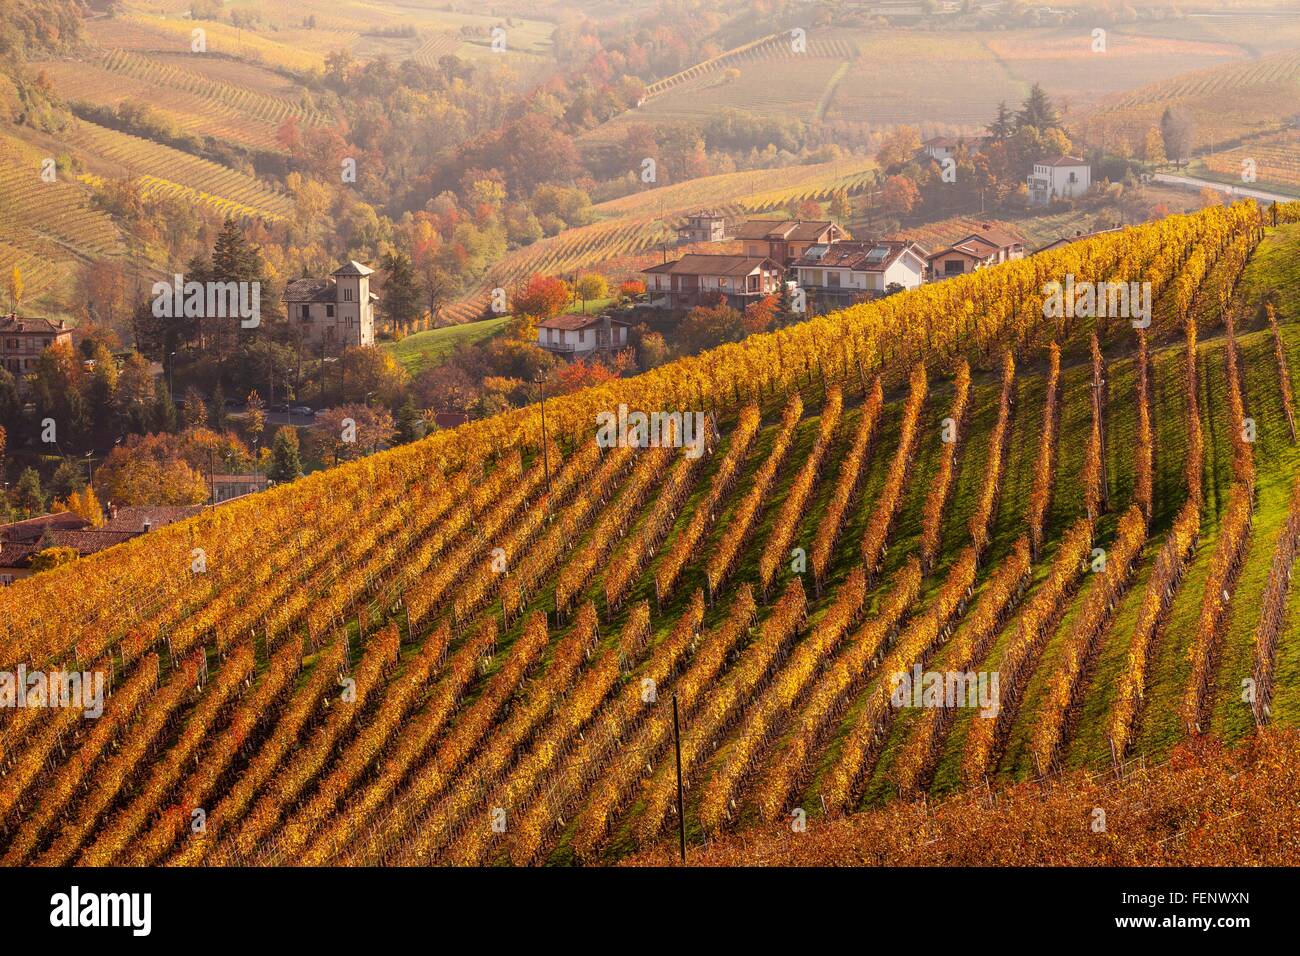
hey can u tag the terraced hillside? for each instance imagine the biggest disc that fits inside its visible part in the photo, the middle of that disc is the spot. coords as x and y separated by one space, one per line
468 650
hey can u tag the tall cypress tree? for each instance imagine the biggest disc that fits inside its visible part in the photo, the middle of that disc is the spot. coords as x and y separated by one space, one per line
1038 112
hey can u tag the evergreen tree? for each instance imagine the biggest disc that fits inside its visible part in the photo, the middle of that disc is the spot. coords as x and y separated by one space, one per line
29 496
286 465
11 406
402 296
410 423
785 313
1003 124
217 409
69 477
164 412
233 259
1037 112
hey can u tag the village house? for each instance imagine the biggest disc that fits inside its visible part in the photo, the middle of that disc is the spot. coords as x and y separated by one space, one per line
704 225
940 148
1064 177
335 312
850 271
785 240
23 540
23 340
579 336
987 247
697 279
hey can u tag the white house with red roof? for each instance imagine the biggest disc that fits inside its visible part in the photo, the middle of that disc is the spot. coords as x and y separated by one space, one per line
579 336
1063 177
849 271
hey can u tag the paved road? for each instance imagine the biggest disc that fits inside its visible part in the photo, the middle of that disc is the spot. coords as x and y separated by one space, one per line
1236 192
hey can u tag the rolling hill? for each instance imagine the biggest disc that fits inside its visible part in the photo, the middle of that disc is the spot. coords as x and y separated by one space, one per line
469 649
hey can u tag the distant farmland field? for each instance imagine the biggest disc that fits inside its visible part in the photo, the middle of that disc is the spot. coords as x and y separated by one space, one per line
884 78
1226 104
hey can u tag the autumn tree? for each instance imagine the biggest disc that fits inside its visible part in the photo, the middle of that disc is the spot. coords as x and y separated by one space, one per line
195 412
85 504
150 470
255 419
350 431
900 146
760 314
591 286
543 297
654 350
370 373
708 325
899 196
15 288
631 289
1153 149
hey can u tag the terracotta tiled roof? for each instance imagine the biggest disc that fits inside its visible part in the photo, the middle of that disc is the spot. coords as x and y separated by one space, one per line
572 323
353 268
791 230
1062 161
699 264
310 290
33 528
857 256
132 519
10 324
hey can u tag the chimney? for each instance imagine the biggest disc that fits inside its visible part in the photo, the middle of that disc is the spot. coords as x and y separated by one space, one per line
148 524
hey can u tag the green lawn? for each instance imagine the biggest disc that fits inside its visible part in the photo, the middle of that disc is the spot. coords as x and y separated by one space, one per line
425 350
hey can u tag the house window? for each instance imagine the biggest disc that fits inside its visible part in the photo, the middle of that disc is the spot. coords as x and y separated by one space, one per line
833 279
582 337
953 267
329 311
306 313
347 295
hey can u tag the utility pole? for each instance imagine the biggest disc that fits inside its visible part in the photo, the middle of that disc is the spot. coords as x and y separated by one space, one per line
681 812
546 457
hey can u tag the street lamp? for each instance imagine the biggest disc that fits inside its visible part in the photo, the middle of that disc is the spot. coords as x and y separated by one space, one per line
171 368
